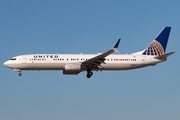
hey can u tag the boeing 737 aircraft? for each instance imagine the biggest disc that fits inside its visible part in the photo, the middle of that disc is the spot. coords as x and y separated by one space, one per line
72 64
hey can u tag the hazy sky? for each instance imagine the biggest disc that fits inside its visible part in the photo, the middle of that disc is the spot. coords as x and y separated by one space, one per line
90 26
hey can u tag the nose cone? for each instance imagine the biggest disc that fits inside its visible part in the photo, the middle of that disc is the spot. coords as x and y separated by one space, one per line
7 64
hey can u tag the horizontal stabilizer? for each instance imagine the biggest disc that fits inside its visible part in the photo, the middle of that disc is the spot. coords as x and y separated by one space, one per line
164 56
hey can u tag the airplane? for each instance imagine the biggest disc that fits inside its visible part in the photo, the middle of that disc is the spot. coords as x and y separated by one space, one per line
73 64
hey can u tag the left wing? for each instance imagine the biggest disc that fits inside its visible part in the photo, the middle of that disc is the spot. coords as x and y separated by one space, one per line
95 62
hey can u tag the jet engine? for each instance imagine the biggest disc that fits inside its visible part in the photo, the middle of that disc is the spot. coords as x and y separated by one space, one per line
72 69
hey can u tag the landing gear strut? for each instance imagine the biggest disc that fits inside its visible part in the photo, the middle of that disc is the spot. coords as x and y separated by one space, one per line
89 73
20 74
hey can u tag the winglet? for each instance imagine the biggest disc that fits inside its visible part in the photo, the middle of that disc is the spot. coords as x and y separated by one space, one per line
117 44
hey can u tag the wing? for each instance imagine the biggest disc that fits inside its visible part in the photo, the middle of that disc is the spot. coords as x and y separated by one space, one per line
96 62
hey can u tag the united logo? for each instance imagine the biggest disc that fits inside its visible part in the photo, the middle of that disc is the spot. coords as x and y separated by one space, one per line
154 49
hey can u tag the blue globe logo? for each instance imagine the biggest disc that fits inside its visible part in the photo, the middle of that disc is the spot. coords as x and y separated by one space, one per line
154 49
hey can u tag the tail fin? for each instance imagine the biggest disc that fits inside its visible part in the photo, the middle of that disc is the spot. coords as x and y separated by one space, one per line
158 46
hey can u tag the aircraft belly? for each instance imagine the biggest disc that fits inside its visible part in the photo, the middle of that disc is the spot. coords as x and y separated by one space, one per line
121 66
45 66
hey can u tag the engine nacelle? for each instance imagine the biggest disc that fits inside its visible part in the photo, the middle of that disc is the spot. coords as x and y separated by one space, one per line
73 66
72 69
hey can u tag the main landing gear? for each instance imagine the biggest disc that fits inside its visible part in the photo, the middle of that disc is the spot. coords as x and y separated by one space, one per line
89 73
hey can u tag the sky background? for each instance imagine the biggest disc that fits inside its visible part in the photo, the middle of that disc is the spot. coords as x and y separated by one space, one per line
90 26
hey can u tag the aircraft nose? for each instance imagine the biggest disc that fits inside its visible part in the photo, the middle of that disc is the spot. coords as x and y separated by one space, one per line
6 64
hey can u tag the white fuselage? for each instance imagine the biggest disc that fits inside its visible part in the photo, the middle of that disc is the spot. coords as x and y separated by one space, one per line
58 61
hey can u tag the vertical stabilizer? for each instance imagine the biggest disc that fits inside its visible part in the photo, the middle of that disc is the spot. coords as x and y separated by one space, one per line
158 46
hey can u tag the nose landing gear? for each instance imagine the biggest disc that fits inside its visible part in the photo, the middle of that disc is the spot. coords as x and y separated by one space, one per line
20 74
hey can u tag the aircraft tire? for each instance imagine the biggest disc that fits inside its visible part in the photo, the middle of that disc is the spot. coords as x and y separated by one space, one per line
20 74
89 74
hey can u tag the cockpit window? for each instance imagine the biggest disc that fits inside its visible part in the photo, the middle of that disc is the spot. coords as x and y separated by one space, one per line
13 59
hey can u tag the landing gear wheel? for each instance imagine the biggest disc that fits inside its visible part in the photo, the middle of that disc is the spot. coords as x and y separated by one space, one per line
89 74
20 74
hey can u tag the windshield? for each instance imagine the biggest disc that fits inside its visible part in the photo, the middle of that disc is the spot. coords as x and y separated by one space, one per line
13 59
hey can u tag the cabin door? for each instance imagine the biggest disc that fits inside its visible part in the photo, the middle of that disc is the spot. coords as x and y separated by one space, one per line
143 59
24 60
